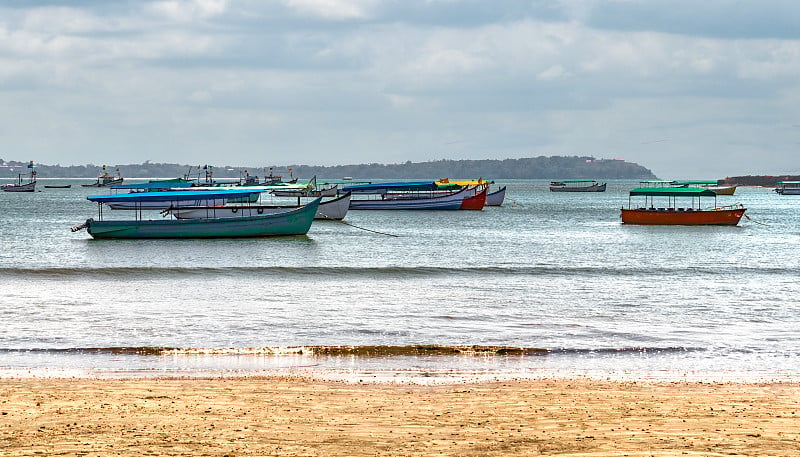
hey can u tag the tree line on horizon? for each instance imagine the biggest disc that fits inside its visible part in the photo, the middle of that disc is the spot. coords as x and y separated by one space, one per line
553 167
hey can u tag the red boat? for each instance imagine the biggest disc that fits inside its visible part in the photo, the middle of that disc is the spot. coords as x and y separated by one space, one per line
477 201
672 214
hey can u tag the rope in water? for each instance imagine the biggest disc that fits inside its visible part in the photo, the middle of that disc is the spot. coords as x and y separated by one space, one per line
755 222
361 228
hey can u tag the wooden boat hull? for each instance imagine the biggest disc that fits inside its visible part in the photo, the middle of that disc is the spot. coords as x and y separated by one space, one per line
724 190
294 222
447 202
476 202
335 209
592 188
496 198
671 216
58 187
28 187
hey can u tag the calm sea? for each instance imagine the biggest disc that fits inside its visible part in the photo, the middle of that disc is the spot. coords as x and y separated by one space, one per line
554 276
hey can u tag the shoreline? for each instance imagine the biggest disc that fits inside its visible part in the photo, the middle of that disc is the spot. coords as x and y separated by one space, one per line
305 416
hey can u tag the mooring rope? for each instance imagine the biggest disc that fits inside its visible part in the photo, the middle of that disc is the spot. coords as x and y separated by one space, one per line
755 222
360 228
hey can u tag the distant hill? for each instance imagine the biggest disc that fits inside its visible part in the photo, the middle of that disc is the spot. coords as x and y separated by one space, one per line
556 167
758 180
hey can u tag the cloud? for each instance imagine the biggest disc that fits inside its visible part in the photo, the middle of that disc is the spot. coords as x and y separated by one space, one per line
392 81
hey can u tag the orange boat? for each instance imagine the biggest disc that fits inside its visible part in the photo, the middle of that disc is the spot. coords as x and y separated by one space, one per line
672 214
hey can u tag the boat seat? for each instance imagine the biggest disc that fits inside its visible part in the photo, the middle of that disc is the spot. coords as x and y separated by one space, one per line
670 209
651 208
681 209
661 209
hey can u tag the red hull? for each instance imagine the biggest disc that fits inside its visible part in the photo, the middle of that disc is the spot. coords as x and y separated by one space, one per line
672 217
475 203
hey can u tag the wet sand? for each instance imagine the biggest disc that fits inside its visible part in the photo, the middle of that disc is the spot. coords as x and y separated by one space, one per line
301 417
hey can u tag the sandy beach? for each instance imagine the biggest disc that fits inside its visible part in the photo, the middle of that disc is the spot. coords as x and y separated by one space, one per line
301 417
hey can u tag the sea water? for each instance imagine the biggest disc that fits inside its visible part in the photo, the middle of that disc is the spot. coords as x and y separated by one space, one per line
549 284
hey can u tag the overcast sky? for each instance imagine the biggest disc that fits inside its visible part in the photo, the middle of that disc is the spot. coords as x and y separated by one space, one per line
687 88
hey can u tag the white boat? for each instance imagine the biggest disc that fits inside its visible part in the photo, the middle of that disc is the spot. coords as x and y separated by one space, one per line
19 186
335 209
496 198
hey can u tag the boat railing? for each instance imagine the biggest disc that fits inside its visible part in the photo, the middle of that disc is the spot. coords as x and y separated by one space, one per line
734 206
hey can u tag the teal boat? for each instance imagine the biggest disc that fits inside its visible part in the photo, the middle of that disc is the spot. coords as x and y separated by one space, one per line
295 222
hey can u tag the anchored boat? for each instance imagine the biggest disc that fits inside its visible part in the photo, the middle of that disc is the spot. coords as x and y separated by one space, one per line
294 222
20 186
689 213
577 185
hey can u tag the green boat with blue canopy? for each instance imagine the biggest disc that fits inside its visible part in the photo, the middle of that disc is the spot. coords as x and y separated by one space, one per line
280 223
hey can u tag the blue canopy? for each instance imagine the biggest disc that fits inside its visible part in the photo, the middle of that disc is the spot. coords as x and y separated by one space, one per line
379 188
155 185
171 196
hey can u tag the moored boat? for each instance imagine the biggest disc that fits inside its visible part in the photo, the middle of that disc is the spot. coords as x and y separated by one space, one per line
106 180
294 222
672 214
20 186
788 188
577 185
496 198
406 196
51 186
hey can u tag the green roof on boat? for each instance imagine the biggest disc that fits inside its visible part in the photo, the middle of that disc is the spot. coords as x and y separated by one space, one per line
673 192
788 182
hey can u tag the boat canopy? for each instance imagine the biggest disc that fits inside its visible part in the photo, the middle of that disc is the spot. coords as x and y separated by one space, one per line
167 184
170 196
788 182
379 188
673 192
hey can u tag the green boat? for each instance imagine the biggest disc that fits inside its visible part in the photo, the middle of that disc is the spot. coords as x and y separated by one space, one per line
295 222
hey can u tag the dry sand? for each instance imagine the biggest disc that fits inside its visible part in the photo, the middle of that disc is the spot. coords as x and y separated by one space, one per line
280 416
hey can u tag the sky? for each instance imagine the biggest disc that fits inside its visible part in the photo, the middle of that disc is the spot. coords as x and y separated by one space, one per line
686 88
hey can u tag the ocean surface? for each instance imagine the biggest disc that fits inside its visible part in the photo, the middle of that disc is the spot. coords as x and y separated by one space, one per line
550 284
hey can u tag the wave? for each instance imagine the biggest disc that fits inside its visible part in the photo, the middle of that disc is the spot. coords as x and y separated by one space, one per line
389 271
356 351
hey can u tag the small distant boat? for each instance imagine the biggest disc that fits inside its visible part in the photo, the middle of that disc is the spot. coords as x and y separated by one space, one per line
577 185
788 188
105 179
294 222
19 186
335 209
496 198
51 186
671 214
